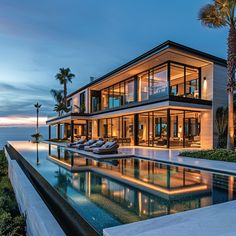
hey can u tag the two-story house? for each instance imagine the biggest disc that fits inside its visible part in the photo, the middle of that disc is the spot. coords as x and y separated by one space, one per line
167 97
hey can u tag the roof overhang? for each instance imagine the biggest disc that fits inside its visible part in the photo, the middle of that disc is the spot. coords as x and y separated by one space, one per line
160 54
78 118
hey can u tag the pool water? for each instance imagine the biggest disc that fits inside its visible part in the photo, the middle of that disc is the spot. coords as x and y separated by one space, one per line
108 193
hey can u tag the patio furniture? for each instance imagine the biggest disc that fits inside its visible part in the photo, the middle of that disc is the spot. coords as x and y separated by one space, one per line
107 148
81 141
98 144
86 144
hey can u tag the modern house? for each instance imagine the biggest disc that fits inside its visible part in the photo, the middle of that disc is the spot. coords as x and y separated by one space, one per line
167 97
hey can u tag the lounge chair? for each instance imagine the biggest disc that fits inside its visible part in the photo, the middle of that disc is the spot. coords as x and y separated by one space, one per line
98 144
107 148
86 144
81 141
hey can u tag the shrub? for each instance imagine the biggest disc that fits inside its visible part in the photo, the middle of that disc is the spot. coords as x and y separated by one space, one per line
11 222
215 154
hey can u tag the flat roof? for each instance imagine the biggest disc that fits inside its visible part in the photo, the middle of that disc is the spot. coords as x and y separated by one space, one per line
165 45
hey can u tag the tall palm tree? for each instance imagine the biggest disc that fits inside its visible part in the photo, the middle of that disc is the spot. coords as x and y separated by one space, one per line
221 124
221 13
64 76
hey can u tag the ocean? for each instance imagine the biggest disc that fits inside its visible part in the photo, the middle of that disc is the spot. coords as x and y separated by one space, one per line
19 134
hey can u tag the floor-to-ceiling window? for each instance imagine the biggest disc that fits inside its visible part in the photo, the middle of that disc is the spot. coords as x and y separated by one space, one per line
143 129
158 82
171 78
129 91
176 128
192 82
184 81
143 86
192 129
160 128
120 129
128 130
104 100
177 80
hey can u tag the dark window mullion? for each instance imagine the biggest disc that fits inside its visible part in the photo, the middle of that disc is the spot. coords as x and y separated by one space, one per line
185 81
199 83
168 77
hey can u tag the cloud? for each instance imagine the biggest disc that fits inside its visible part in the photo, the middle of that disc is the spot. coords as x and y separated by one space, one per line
13 121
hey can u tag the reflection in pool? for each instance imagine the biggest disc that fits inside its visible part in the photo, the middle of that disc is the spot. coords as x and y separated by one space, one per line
107 193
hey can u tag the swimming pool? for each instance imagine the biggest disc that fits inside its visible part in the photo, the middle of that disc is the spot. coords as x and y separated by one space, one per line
108 193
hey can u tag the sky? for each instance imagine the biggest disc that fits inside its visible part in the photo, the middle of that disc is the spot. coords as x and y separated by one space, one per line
90 37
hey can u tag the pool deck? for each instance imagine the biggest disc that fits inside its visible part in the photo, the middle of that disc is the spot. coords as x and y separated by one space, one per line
167 156
216 220
172 157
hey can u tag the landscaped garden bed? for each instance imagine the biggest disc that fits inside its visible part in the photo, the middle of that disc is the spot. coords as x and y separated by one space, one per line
11 221
215 154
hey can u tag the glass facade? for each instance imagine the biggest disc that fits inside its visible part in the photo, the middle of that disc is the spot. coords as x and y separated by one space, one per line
170 78
120 129
184 81
164 128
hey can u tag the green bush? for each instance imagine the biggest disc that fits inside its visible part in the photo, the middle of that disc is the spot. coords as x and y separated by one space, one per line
11 222
215 154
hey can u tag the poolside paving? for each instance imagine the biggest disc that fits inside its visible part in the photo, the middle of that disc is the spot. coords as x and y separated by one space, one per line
217 220
172 157
168 156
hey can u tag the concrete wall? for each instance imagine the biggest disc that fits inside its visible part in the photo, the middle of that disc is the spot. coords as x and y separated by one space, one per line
213 88
219 95
207 116
39 220
76 101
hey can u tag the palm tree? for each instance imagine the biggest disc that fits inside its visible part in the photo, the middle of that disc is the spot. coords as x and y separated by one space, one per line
60 108
58 97
221 13
221 124
64 76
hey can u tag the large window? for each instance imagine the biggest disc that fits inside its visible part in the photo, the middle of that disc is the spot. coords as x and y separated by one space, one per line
120 129
184 81
104 99
176 128
143 86
192 82
167 79
152 129
177 80
153 83
159 82
129 91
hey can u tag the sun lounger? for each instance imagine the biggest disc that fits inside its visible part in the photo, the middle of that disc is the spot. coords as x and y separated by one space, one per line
98 144
86 144
107 148
81 141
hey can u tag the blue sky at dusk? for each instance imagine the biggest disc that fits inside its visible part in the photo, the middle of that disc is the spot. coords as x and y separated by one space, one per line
91 37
